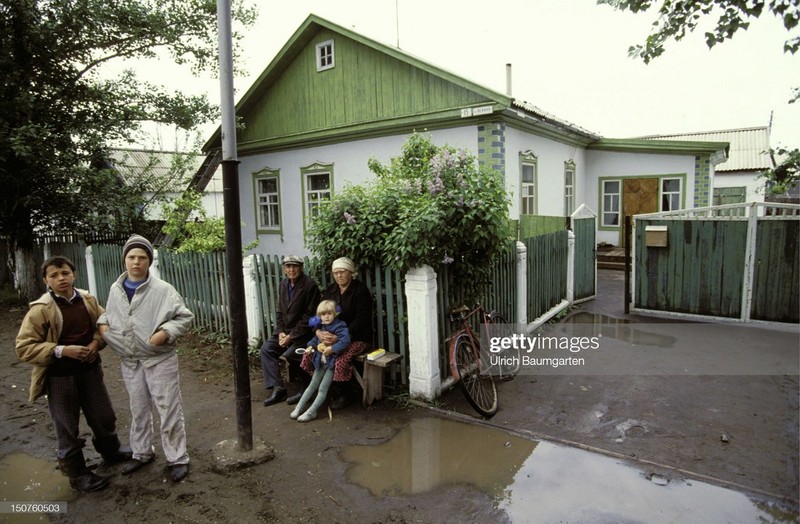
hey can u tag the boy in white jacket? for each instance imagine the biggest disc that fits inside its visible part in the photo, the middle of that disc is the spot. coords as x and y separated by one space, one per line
144 317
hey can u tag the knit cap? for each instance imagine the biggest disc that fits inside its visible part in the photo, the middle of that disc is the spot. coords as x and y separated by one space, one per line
138 241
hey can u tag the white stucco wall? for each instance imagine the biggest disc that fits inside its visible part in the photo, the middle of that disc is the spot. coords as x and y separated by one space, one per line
600 164
349 162
754 187
550 159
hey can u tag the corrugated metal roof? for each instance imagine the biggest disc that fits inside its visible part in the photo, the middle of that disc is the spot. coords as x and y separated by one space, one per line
748 151
155 167
548 117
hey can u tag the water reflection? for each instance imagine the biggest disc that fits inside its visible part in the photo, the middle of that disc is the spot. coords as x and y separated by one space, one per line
543 482
432 452
583 323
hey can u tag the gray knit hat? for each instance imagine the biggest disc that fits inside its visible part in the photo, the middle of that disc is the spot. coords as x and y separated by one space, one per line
138 241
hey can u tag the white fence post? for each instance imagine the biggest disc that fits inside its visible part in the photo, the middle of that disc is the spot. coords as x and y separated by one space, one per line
570 266
91 275
154 266
749 261
522 284
423 334
252 311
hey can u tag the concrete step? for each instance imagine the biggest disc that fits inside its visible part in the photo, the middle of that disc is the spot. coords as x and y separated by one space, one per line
607 264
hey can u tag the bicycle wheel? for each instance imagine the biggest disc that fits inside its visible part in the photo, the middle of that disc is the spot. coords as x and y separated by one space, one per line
465 362
510 358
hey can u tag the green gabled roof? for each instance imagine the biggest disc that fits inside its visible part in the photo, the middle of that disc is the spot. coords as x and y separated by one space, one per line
373 89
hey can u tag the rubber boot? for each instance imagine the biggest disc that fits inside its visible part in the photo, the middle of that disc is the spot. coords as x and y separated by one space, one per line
111 450
80 477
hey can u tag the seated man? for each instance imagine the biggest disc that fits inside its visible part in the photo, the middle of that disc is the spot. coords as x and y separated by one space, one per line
297 303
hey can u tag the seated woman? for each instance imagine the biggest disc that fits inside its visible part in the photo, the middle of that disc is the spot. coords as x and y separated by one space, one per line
355 303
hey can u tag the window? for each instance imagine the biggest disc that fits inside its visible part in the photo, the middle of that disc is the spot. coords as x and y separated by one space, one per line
528 184
325 55
268 200
670 194
569 188
611 201
316 188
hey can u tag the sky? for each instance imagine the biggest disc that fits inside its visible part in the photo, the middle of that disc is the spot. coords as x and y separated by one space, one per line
568 57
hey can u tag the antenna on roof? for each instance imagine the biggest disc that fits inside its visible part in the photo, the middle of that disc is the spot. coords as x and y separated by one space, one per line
397 20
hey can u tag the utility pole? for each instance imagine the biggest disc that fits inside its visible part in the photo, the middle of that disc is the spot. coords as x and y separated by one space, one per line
233 232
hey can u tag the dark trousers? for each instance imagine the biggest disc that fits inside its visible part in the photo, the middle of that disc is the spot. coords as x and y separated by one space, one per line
271 352
84 391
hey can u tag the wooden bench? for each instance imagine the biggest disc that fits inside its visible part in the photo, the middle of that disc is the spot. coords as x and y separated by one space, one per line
372 380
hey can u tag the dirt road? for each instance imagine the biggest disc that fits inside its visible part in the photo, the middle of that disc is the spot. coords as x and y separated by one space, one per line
679 425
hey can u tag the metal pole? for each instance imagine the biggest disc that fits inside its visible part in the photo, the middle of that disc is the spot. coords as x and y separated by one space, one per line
233 232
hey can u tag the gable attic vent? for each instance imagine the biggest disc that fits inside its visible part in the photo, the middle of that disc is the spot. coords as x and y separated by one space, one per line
325 55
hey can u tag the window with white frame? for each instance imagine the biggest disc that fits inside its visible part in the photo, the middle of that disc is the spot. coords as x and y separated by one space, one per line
268 200
317 188
325 55
569 188
528 184
611 202
670 194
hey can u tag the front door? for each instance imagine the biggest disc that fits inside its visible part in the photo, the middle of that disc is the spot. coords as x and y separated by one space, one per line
639 195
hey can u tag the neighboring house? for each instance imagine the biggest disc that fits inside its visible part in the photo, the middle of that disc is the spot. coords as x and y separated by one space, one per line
163 176
332 99
736 180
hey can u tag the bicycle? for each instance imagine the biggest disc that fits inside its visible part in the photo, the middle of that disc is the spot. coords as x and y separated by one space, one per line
477 384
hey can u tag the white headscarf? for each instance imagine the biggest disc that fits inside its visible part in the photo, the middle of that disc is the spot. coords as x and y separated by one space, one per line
343 263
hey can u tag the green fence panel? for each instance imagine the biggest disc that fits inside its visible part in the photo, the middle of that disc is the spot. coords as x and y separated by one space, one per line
108 266
547 272
498 294
585 258
700 271
537 225
776 280
201 279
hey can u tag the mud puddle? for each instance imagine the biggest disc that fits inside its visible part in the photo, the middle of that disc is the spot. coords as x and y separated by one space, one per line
543 482
27 479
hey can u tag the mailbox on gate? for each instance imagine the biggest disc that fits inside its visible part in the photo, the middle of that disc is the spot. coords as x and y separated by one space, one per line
655 236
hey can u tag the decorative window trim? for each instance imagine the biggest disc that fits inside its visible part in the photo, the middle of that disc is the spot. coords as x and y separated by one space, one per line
263 174
324 55
528 158
305 173
569 188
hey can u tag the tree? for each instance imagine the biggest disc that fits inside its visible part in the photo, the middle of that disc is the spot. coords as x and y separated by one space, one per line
190 226
58 115
676 19
431 205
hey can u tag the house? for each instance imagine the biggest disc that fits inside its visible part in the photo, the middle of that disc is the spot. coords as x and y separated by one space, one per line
163 176
736 180
332 99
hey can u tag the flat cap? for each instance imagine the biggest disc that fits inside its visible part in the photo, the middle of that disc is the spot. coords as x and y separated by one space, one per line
289 260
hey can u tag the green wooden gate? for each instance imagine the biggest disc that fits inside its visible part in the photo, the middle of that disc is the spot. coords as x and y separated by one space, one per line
736 261
584 226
